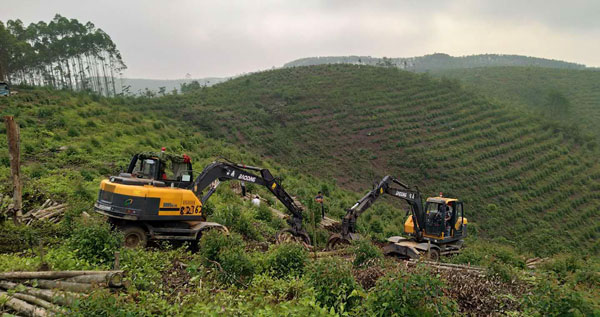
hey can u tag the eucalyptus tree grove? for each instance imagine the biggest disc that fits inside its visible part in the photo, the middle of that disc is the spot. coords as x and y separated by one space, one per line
63 54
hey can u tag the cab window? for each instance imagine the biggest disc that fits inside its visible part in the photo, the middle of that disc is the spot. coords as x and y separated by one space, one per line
145 169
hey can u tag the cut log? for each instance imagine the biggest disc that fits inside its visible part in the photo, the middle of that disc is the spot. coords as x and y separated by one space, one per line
37 301
49 274
49 210
45 204
52 213
112 279
64 286
23 307
52 208
60 298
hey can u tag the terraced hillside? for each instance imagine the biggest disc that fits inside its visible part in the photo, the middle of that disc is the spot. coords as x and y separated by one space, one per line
530 87
521 179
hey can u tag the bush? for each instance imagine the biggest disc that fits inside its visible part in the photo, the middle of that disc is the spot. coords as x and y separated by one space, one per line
233 218
550 299
263 213
73 132
366 254
95 242
236 265
213 241
226 254
562 266
334 284
287 259
409 294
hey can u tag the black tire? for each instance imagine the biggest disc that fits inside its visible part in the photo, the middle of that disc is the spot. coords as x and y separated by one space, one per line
433 255
134 237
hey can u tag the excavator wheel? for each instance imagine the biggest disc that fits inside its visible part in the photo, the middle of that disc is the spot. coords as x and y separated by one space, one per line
134 237
288 235
433 255
336 241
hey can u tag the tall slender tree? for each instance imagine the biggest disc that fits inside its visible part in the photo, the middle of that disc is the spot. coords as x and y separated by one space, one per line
63 54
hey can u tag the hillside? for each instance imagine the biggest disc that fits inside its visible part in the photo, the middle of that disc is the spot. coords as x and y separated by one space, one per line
522 181
438 61
71 141
529 88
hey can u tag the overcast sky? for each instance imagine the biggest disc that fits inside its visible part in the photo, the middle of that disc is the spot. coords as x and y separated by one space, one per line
167 39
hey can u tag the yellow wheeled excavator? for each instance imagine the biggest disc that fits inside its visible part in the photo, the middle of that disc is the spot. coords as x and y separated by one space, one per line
438 228
157 197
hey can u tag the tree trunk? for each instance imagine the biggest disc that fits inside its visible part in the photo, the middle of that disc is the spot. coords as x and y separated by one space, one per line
65 286
22 307
50 274
1 72
12 132
37 301
45 294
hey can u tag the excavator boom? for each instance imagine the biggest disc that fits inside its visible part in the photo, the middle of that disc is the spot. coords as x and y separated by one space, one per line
217 172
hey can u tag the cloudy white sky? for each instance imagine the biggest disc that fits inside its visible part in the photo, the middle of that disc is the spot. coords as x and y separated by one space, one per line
167 39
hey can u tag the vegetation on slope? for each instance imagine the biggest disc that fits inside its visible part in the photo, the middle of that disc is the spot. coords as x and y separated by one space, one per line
71 141
535 90
524 181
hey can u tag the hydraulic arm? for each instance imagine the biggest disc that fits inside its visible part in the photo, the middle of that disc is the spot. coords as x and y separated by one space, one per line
385 186
217 172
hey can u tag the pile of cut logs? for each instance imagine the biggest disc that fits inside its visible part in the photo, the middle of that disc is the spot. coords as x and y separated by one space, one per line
46 293
49 210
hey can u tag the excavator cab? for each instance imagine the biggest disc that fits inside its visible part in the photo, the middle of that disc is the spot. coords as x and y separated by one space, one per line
444 220
174 171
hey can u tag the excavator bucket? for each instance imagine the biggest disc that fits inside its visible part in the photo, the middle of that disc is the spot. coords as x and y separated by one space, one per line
337 240
290 235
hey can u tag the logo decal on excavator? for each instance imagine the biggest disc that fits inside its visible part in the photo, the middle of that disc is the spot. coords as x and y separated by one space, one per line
247 178
405 195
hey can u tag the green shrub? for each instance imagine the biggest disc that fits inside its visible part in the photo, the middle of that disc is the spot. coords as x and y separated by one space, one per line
213 241
73 132
409 294
334 284
562 265
236 267
263 213
550 299
233 218
366 254
103 303
144 267
226 254
95 242
287 259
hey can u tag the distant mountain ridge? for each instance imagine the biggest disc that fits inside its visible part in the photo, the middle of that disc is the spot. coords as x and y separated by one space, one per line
438 61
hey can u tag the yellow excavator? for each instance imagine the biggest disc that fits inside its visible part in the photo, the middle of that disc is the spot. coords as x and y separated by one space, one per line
157 198
438 228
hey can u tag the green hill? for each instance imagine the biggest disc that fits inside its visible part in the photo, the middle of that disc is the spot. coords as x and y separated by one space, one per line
438 61
521 179
313 126
530 88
